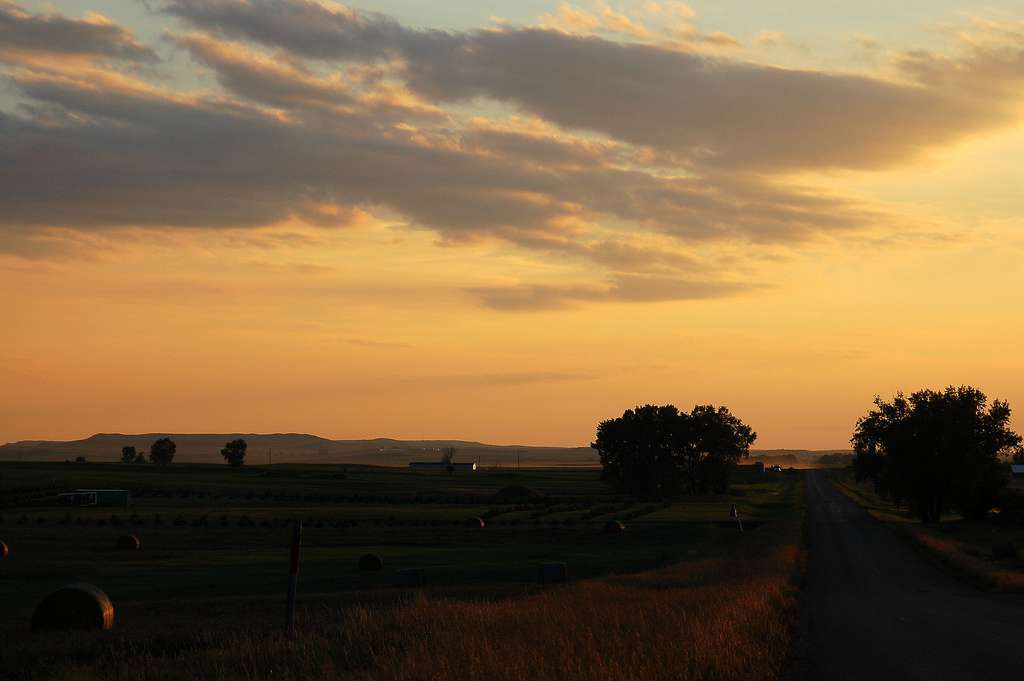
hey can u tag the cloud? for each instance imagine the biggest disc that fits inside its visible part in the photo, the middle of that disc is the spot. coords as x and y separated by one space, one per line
132 155
622 289
24 35
631 159
711 111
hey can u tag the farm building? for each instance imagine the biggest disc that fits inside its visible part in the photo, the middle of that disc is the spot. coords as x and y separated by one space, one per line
1017 470
442 466
756 467
95 497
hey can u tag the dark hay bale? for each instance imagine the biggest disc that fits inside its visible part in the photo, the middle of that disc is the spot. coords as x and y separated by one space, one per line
1004 551
614 527
371 562
517 492
410 578
4 551
552 573
474 522
75 606
129 542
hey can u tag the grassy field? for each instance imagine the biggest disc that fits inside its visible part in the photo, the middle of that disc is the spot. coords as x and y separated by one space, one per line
204 597
966 548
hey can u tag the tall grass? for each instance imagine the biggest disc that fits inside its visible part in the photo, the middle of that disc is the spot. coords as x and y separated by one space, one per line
725 618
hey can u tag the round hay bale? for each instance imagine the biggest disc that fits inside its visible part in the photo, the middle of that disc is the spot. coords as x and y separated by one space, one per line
129 542
517 492
552 573
614 527
75 606
410 578
4 551
475 522
371 562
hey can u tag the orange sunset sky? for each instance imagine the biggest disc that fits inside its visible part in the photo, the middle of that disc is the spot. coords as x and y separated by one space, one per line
503 221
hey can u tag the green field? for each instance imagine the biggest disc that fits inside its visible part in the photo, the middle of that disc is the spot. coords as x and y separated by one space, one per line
215 540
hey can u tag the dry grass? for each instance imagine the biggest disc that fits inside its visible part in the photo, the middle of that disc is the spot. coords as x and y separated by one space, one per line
711 619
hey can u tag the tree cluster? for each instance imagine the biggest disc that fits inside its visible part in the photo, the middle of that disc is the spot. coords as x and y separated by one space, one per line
130 455
162 451
661 451
935 451
234 452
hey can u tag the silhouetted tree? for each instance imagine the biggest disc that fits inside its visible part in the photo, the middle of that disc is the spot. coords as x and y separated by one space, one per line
128 454
937 450
162 451
234 452
655 450
713 443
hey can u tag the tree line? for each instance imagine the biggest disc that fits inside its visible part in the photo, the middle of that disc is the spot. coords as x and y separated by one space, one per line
932 452
162 452
937 451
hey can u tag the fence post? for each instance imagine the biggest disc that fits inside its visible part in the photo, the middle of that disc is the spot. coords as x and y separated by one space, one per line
293 575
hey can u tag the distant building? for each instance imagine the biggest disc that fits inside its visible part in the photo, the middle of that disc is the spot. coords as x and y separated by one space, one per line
756 467
1017 470
442 466
95 497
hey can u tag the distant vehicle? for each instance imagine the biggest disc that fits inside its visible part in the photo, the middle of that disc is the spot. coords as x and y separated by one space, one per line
95 497
776 468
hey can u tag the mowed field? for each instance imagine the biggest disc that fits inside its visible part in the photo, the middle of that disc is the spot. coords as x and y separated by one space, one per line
205 595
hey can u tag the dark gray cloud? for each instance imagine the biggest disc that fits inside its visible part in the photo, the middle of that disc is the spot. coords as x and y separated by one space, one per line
711 111
139 157
23 33
305 27
621 288
687 144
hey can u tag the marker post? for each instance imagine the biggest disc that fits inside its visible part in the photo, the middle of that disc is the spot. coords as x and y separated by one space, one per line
293 575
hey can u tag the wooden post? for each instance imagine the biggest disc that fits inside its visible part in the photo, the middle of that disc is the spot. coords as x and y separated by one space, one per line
293 575
736 514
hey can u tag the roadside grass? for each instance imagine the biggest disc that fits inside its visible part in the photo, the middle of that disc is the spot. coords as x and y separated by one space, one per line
963 547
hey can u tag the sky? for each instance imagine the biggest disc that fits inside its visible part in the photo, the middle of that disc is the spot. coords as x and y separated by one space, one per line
504 221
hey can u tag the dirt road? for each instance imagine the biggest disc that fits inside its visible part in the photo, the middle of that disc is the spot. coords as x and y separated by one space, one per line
875 610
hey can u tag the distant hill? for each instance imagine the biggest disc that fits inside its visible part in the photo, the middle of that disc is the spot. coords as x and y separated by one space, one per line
297 448
304 448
